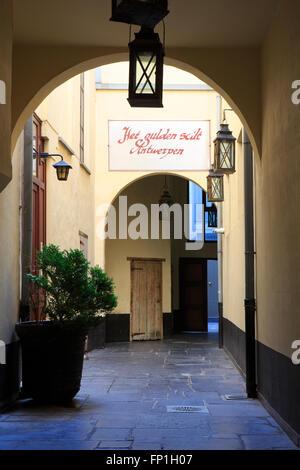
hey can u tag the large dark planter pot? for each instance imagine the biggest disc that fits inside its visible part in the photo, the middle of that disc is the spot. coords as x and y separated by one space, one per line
52 360
96 337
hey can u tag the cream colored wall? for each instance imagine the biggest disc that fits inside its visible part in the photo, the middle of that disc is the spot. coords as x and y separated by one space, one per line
6 31
233 240
56 65
118 73
70 204
145 191
113 105
9 250
278 189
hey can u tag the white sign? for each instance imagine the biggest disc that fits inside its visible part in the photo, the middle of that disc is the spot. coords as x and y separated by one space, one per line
159 145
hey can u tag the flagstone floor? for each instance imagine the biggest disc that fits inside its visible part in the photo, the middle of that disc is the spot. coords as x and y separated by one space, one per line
129 400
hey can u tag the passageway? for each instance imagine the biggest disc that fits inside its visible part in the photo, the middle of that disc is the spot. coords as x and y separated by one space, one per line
130 399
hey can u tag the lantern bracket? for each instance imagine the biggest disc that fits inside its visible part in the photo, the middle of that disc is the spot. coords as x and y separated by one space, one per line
224 113
47 155
57 166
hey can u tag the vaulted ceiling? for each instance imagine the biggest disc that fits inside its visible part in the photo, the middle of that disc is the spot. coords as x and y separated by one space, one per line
191 23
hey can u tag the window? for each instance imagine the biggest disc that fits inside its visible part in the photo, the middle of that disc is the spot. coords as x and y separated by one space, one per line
197 196
82 117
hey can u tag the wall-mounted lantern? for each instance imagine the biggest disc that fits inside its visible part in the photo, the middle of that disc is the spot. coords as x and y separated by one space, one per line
212 216
62 167
215 187
224 150
140 12
146 58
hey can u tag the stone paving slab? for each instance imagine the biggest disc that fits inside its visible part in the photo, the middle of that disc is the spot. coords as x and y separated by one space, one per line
124 398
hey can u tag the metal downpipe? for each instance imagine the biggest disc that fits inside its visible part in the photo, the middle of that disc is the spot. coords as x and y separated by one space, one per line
250 303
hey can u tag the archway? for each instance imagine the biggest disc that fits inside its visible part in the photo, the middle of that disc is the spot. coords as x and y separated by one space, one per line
236 82
184 303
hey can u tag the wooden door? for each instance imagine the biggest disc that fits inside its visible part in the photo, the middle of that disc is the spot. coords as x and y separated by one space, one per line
193 294
146 299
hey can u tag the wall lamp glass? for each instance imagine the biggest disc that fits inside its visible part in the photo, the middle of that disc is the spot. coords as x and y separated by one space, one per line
62 168
215 187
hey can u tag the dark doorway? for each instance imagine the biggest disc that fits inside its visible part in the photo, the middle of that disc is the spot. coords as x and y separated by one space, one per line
193 294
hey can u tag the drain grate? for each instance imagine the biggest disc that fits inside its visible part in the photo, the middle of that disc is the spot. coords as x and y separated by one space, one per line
186 409
235 397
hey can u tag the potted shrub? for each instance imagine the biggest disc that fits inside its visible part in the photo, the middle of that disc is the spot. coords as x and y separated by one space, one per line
69 297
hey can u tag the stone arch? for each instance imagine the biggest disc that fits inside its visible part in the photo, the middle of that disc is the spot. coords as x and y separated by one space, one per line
235 74
199 179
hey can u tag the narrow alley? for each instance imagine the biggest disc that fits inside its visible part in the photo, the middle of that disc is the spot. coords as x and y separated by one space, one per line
158 395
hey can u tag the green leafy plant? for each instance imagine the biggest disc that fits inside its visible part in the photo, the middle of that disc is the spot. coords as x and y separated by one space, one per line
71 290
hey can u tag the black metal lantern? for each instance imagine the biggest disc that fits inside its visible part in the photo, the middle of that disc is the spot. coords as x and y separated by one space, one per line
165 197
212 216
165 200
62 170
140 12
146 54
224 154
215 187
62 167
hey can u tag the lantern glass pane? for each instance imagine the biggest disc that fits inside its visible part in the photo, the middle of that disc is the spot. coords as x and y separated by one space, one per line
145 72
226 155
216 188
212 218
62 173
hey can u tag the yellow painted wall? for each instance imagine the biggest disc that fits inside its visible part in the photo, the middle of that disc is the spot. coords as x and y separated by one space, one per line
9 250
113 105
233 240
178 105
70 204
144 191
278 189
6 33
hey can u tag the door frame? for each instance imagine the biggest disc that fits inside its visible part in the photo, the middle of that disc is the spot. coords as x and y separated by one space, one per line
158 260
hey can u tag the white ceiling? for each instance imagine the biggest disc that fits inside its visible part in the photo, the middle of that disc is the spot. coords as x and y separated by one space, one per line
190 23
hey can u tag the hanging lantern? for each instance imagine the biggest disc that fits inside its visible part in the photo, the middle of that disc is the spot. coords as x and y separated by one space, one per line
141 12
212 216
224 154
146 55
62 170
166 199
215 187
